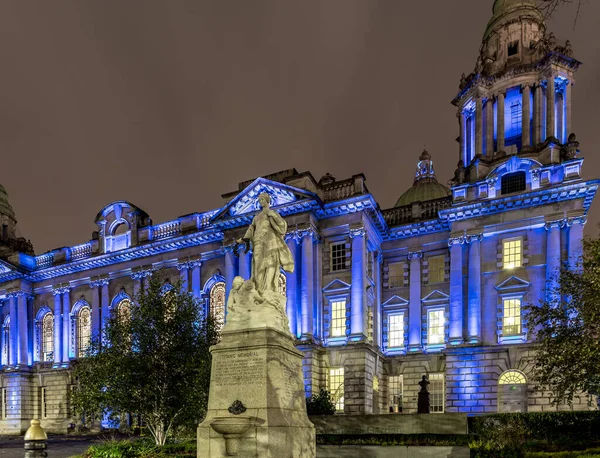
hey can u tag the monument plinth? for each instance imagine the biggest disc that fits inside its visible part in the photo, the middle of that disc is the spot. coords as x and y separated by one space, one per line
256 405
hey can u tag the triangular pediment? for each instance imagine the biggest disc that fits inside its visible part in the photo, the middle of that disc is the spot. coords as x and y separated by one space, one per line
246 202
336 286
395 301
436 296
513 283
6 267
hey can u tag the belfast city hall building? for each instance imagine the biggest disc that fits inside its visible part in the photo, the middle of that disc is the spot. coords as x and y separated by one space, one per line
434 286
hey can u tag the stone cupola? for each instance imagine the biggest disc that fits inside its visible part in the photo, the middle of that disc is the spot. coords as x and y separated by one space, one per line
518 98
10 242
425 186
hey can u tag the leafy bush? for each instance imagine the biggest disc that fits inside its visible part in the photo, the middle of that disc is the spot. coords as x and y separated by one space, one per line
542 429
140 449
320 404
581 454
448 440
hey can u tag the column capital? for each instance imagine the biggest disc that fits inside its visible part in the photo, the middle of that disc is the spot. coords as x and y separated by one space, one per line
523 86
576 220
474 238
61 289
229 248
188 263
357 231
556 224
415 255
17 292
460 240
303 233
139 273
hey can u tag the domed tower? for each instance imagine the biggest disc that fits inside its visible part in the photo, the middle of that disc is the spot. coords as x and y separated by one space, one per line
425 186
518 98
9 240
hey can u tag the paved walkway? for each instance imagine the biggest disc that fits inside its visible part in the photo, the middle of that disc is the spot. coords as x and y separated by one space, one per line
58 446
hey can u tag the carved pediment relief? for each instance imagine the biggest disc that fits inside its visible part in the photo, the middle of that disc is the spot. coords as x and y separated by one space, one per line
436 296
336 286
513 283
395 301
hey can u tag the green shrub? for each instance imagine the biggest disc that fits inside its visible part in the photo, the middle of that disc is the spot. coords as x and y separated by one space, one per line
580 454
320 404
452 440
140 449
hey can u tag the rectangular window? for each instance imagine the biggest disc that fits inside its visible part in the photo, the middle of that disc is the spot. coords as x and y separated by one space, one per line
512 253
4 401
513 182
396 331
396 275
435 326
437 392
338 256
395 392
437 269
338 318
336 387
43 407
513 48
511 319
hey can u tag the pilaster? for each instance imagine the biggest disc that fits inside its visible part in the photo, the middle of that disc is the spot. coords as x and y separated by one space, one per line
291 285
96 328
550 106
553 258
58 328
525 116
537 114
500 128
478 125
357 292
456 290
489 127
576 225
414 308
66 323
474 304
308 237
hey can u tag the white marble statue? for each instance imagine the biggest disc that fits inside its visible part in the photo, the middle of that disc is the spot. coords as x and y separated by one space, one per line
269 250
257 302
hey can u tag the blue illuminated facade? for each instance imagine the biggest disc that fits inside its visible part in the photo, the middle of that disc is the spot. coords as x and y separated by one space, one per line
435 285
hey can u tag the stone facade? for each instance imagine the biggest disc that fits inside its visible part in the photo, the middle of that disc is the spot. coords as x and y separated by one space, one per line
379 298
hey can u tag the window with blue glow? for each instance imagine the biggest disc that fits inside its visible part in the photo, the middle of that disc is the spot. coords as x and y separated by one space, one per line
47 337
338 318
512 253
511 317
396 330
437 392
217 304
336 387
84 330
435 326
395 393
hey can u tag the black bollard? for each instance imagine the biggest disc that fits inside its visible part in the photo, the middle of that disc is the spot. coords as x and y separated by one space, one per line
35 441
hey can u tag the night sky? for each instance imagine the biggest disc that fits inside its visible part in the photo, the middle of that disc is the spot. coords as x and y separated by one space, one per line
169 104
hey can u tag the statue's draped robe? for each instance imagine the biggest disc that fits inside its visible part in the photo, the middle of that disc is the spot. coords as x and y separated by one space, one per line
269 250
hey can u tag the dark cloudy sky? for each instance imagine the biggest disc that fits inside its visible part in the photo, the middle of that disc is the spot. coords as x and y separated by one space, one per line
169 104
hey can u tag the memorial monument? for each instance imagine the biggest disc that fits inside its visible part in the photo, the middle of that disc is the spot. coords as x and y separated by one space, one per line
256 405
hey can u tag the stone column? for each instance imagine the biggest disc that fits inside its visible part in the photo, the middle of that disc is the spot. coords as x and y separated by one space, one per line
474 305
560 118
576 242
95 285
550 107
478 125
58 340
183 269
357 291
489 127
377 326
526 94
500 126
105 300
291 284
23 329
66 322
414 307
553 259
569 110
14 330
245 265
196 279
307 283
462 137
137 284
537 114
229 268
456 290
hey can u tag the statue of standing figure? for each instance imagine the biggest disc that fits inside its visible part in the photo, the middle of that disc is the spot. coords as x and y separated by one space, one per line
269 251
423 405
257 301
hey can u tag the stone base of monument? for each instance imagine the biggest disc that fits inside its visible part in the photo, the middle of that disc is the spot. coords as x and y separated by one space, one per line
256 405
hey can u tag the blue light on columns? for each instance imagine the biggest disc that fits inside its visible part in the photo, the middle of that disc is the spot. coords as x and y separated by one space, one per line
357 291
414 308
456 290
474 304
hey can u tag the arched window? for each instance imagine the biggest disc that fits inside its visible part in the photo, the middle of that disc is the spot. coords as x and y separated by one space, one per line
124 310
47 350
6 341
84 330
217 303
282 283
120 229
512 378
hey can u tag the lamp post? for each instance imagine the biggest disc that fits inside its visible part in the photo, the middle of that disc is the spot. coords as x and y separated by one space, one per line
35 441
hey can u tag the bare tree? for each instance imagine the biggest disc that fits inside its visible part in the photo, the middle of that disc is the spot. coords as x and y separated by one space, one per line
549 7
